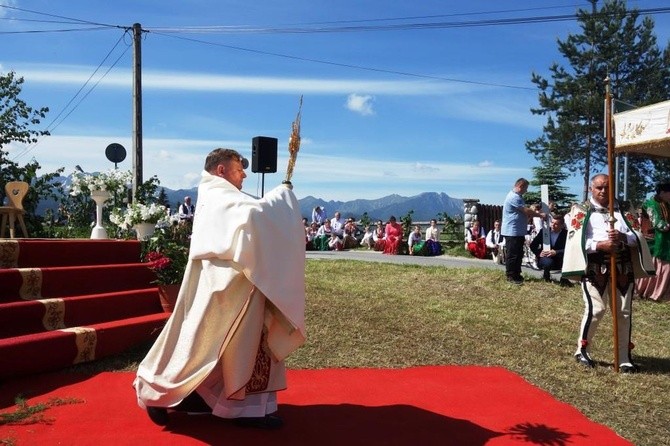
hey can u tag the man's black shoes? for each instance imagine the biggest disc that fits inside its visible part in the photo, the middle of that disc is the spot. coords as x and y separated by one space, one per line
193 404
584 360
515 280
266 422
158 415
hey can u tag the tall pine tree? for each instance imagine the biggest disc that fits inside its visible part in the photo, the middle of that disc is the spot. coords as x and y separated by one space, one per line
550 173
615 43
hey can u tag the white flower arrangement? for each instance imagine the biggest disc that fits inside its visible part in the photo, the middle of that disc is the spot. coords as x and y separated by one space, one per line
138 213
114 181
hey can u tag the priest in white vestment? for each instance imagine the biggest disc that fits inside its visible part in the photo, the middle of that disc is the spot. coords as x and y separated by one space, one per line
240 310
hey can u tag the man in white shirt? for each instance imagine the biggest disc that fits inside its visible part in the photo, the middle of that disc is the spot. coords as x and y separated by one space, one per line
186 211
495 242
337 223
590 245
319 215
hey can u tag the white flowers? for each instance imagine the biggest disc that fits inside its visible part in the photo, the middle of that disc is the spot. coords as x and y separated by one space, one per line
138 213
115 182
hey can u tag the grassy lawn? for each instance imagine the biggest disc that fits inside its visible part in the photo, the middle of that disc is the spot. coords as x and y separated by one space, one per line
384 315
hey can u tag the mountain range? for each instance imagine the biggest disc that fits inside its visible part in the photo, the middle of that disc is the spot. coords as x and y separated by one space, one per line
426 205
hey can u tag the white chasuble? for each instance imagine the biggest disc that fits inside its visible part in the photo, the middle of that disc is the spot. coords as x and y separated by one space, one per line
240 309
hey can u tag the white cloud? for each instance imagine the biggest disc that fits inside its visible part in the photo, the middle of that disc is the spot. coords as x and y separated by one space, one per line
178 164
485 163
189 81
424 168
361 104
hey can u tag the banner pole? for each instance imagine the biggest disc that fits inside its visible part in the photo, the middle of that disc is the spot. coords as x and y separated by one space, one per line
612 220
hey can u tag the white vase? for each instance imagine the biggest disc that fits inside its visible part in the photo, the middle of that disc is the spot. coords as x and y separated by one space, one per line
99 196
144 230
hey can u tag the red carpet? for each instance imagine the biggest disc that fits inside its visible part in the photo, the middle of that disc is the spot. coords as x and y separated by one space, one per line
416 406
66 301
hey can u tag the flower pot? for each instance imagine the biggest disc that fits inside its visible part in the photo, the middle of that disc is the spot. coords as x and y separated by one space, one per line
144 230
99 196
168 295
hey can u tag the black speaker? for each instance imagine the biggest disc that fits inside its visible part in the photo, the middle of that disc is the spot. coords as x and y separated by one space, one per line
264 154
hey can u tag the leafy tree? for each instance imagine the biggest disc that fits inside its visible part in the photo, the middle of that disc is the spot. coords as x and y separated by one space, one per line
17 122
16 117
146 192
613 44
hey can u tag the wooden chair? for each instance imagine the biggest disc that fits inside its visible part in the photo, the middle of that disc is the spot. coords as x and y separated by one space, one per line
16 191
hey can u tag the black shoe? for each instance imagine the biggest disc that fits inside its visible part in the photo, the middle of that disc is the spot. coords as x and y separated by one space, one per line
515 281
565 283
266 422
628 367
546 277
193 404
158 415
584 360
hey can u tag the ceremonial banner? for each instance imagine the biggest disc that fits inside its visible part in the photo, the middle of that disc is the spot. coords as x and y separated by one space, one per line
643 131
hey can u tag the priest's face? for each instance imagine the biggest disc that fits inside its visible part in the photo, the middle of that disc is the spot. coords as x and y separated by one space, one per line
233 172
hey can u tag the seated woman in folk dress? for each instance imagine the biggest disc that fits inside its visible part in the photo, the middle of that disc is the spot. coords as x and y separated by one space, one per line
475 240
393 236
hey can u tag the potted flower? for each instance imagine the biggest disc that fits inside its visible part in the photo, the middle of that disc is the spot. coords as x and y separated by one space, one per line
166 254
114 181
141 217
100 187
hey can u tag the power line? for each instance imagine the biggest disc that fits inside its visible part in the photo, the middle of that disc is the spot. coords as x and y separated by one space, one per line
458 14
53 125
71 19
43 31
219 29
337 64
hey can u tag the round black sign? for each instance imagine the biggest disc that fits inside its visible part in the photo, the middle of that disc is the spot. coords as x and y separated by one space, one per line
115 152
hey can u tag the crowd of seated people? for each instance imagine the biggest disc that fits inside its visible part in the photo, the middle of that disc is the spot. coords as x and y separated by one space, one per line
326 239
338 234
331 234
475 240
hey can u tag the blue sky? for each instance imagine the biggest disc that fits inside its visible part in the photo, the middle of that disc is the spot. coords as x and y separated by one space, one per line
455 122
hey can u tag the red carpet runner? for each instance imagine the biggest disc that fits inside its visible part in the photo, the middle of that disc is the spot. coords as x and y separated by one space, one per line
416 406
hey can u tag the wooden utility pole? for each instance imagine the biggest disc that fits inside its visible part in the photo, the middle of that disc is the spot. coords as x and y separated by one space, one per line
137 108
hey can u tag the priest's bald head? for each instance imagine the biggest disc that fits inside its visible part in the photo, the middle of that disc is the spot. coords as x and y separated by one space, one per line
227 164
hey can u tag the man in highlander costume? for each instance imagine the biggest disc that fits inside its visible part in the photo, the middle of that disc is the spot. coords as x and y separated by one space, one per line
240 309
590 244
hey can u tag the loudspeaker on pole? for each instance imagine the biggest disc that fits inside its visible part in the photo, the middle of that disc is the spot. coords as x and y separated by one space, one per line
263 154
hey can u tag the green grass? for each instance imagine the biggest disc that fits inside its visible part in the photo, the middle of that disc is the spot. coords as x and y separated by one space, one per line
363 314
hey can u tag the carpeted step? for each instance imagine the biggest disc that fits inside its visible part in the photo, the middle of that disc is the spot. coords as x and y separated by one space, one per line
52 350
33 253
25 317
18 284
